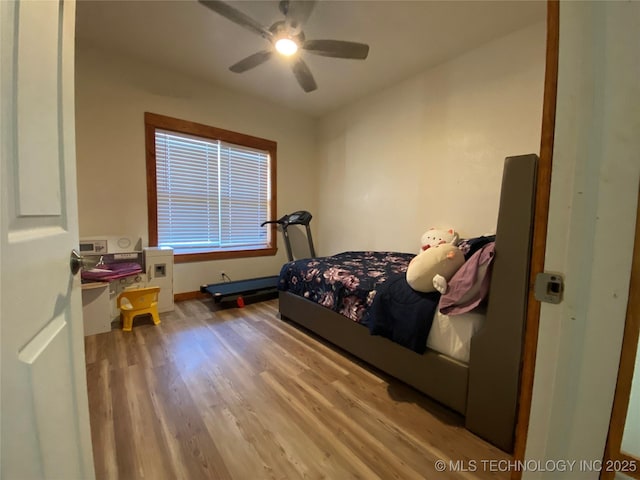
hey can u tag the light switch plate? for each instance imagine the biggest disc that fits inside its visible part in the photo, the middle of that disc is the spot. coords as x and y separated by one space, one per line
549 287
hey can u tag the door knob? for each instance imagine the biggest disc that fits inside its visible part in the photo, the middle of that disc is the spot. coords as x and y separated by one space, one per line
75 262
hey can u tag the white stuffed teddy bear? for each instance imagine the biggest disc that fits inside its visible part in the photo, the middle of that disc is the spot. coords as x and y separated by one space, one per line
433 268
435 236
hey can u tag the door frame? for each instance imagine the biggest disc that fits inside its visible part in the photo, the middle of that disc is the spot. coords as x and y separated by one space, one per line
539 238
612 452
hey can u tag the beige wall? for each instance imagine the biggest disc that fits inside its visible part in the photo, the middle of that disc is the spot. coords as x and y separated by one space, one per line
426 152
112 94
429 151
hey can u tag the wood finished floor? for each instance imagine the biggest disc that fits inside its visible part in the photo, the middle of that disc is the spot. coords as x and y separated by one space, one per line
240 394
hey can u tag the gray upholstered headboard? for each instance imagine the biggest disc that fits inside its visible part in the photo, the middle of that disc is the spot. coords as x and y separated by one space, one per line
496 350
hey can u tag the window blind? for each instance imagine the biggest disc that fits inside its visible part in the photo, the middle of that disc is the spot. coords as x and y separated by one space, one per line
211 195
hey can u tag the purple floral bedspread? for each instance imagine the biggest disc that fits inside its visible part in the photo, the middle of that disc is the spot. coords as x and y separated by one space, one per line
345 283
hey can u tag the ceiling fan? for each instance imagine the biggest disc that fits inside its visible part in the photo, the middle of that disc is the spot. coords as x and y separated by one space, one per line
287 38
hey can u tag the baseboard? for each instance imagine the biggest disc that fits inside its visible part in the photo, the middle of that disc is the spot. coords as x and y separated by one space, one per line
181 297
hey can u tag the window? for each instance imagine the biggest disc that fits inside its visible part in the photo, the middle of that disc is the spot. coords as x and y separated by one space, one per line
209 190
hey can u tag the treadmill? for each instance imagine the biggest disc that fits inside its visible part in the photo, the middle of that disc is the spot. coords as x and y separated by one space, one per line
262 285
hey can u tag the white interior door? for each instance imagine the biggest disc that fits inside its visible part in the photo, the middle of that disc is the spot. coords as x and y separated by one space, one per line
44 413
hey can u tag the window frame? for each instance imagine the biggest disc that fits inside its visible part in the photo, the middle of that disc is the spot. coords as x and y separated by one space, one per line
153 121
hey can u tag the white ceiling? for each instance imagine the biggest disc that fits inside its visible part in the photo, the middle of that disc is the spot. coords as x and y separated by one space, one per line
406 37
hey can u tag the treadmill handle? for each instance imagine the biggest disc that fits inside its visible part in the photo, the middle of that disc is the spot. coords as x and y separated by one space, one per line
269 221
284 221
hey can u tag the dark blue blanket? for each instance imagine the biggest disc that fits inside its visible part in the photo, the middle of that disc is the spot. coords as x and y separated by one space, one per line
345 283
369 288
401 314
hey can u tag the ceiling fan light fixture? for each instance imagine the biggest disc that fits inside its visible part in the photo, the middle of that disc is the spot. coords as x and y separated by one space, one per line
286 46
286 37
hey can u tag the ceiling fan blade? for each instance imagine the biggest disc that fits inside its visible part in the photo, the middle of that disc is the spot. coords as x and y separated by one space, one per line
298 12
303 75
251 61
337 49
237 17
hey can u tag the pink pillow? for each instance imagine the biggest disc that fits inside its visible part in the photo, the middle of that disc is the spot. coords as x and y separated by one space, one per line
470 284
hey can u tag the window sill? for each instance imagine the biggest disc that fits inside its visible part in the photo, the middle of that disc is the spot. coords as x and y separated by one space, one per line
207 256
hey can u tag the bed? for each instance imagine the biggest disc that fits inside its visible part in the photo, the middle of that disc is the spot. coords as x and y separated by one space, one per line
484 389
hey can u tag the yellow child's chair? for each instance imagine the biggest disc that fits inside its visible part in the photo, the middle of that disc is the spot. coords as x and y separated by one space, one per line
138 301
